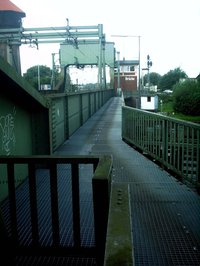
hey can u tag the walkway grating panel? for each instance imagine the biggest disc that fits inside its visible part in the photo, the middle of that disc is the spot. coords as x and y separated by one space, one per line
165 212
55 261
161 237
65 215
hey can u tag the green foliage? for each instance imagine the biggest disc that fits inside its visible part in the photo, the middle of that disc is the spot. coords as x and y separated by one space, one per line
32 75
154 78
186 98
168 81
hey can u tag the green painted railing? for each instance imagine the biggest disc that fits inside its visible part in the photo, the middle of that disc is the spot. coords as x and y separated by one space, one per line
172 142
101 183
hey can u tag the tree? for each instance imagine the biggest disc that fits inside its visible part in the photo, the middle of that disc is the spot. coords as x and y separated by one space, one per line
32 75
168 81
186 97
154 78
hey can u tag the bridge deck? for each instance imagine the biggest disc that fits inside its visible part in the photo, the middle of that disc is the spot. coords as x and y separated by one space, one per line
165 212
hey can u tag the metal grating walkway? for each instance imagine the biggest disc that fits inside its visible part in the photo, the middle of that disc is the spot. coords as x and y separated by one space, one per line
65 215
165 212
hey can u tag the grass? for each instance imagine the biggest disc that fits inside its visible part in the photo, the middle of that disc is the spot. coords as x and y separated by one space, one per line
167 108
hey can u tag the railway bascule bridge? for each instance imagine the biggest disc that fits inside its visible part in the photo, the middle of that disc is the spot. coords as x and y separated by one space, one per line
84 179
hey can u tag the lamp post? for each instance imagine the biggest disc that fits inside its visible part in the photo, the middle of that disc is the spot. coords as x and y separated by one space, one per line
139 85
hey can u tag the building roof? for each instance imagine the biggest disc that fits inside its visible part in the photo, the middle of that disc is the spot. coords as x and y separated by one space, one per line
7 5
129 62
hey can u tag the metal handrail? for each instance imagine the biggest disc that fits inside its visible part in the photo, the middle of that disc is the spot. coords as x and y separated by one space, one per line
172 142
101 183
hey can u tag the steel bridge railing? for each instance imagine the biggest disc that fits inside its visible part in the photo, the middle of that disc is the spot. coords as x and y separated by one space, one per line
172 142
100 182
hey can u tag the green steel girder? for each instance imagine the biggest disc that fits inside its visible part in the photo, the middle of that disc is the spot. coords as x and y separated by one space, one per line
51 34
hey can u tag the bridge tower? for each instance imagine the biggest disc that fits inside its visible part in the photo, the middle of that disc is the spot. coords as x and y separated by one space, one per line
10 18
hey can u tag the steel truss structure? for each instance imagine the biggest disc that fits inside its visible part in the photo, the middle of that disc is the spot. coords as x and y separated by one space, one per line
67 36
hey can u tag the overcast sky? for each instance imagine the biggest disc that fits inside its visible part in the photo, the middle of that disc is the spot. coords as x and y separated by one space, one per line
169 29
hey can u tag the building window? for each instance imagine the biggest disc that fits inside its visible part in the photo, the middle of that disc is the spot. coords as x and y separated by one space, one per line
148 98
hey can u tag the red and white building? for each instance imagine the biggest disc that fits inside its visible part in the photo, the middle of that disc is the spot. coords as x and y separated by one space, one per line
127 78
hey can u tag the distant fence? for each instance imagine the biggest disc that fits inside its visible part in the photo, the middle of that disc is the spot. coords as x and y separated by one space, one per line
172 142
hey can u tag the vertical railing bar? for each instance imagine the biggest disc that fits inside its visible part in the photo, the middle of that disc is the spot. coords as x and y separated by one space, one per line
148 133
187 153
172 131
76 204
138 129
166 140
155 137
175 146
12 201
198 158
163 143
54 203
160 137
154 128
33 203
153 123
192 154
183 152
131 128
178 136
134 127
181 136
139 125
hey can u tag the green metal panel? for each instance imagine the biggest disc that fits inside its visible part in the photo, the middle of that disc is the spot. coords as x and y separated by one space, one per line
74 118
85 107
15 139
20 107
15 128
69 111
92 103
58 116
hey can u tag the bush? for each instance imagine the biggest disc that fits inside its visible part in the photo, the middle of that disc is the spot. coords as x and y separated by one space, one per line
186 98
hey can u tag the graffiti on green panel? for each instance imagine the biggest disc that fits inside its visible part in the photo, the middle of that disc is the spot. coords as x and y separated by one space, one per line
7 132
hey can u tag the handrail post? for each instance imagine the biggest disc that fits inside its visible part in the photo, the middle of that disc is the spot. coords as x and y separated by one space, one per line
101 183
119 240
33 203
54 204
12 200
76 205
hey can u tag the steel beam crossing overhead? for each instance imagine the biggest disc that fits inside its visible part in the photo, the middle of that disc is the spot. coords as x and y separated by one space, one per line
18 36
71 38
